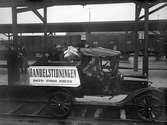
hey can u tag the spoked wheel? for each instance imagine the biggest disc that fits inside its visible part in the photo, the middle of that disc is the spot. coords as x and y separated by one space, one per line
149 107
60 104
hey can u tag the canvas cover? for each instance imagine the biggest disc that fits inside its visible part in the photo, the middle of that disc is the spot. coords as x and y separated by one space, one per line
99 52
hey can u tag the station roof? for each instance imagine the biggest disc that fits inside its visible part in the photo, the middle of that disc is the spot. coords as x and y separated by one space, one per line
80 26
9 3
85 27
38 3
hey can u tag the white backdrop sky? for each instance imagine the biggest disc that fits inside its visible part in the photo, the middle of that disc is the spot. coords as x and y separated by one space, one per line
78 13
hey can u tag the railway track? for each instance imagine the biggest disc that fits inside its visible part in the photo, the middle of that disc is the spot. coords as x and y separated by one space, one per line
39 109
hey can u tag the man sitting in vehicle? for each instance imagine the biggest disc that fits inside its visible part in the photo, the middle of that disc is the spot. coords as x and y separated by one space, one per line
93 69
57 54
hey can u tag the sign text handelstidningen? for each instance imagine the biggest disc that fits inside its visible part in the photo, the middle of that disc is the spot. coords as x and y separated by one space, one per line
53 73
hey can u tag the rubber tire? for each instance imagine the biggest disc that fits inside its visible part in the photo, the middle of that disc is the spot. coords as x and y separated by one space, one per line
60 104
149 106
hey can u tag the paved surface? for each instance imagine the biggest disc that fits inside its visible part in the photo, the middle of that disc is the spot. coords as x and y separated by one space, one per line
32 121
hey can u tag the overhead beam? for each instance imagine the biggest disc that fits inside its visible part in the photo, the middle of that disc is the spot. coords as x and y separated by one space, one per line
38 15
156 2
33 9
153 11
9 3
21 10
39 5
26 9
85 27
79 2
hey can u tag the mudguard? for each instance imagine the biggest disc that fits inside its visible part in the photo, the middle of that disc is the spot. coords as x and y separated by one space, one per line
143 91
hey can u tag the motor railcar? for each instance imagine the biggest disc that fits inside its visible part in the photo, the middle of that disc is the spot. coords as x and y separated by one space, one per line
95 73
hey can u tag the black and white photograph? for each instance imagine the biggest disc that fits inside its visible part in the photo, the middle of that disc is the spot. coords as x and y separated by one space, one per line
83 62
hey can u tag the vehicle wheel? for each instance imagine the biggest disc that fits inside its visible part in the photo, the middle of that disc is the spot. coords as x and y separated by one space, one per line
60 104
149 107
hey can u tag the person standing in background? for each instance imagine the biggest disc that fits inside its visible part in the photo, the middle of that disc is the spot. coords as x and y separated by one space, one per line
22 55
13 66
166 49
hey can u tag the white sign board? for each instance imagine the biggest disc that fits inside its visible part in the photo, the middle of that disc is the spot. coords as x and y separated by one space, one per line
65 76
83 37
141 35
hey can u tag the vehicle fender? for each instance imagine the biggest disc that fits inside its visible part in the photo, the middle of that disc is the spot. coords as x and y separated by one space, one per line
52 90
153 90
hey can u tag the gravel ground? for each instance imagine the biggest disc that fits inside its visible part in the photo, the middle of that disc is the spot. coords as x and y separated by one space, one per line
38 121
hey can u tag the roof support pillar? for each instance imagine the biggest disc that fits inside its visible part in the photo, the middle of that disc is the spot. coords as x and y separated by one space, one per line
45 25
137 14
45 21
14 24
8 36
145 58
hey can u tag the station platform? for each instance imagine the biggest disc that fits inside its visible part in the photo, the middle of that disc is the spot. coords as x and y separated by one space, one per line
157 70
